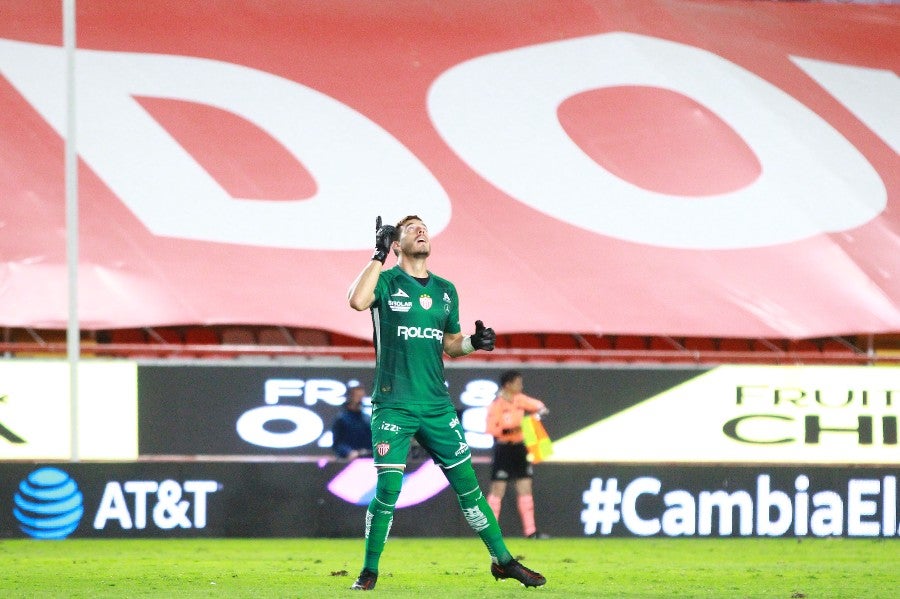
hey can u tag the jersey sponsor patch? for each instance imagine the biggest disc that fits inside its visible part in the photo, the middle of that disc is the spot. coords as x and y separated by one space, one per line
419 333
425 301
399 306
399 293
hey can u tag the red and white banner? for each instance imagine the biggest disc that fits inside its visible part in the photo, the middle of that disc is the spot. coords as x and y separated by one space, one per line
660 167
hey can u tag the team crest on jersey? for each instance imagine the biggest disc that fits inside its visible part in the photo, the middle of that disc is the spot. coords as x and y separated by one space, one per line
425 301
382 449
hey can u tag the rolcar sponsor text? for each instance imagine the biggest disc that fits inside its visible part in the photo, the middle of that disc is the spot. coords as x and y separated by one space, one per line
419 333
866 508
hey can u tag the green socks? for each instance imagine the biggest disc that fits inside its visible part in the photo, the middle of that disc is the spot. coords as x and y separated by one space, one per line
478 513
380 514
475 508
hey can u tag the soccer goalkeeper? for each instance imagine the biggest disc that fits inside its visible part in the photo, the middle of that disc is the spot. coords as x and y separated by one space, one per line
415 315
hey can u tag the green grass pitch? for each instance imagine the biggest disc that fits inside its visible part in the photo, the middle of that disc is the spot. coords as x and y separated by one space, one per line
453 568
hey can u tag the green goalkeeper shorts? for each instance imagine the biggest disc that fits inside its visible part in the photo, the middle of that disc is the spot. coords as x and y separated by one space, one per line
436 428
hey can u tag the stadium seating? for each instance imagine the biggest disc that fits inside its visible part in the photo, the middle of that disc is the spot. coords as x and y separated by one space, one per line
201 336
312 337
166 335
127 336
230 341
835 345
561 341
700 344
802 345
238 335
631 342
597 342
274 336
732 344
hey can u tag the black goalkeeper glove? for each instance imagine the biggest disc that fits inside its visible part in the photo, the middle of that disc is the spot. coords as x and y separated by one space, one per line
483 338
384 236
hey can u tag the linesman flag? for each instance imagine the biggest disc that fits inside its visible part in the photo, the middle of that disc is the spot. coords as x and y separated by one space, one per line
537 441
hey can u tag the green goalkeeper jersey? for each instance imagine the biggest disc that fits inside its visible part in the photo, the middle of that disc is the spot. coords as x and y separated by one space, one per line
409 321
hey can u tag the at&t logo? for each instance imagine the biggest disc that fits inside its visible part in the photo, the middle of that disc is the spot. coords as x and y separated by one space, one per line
48 504
169 503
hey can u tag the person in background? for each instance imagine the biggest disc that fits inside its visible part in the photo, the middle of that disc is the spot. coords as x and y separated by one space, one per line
415 316
510 460
351 430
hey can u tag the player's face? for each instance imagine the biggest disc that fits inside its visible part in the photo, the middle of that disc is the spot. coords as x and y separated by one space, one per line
414 240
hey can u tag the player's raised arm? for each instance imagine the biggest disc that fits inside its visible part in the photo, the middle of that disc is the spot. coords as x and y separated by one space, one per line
362 291
459 345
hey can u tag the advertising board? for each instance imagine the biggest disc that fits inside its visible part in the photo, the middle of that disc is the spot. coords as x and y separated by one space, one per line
305 499
752 414
288 410
35 410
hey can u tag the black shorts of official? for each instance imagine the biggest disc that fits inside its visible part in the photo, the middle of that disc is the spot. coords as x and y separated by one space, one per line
510 462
